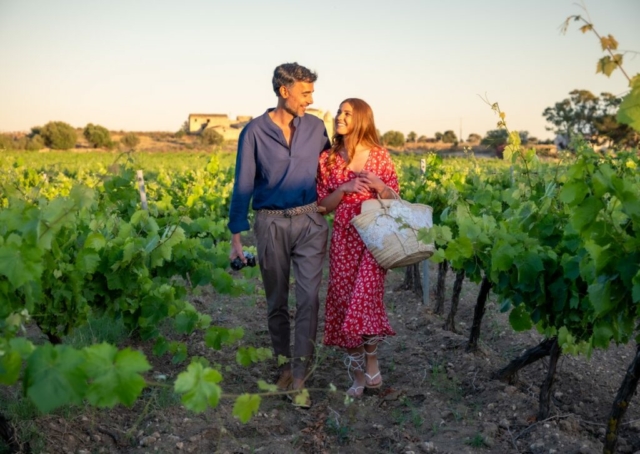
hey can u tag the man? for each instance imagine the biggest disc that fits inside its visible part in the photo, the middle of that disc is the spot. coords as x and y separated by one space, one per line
276 166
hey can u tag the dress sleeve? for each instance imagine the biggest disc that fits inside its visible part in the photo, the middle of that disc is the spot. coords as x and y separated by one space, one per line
389 176
323 176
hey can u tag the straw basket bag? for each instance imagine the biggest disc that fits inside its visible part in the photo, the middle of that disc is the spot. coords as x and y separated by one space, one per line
389 229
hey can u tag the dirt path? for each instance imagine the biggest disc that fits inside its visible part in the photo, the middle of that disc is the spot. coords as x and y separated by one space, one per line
435 397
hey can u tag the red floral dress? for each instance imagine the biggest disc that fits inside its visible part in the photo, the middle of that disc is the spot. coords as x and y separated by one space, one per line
354 306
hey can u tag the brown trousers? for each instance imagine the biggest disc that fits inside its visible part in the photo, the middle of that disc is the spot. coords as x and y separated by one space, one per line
300 241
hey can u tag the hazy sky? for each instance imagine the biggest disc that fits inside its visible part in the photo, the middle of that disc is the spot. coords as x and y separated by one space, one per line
421 64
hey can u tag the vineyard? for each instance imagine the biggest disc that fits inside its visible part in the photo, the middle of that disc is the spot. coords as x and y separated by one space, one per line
122 328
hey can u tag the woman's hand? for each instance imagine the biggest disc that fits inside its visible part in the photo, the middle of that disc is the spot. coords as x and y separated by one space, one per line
372 181
357 185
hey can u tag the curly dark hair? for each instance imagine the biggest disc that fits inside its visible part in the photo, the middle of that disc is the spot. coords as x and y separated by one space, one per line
288 73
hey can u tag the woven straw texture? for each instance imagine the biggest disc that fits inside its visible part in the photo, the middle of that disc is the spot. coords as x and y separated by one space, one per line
389 229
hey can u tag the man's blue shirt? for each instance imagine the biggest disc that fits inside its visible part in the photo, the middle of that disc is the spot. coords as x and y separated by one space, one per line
275 175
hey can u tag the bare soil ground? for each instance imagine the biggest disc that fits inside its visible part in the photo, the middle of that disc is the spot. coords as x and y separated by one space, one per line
435 397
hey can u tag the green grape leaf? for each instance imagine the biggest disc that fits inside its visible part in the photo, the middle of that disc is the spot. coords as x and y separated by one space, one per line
217 336
635 292
247 355
55 376
20 263
282 360
185 322
222 281
114 375
629 110
179 351
198 386
586 213
602 334
95 241
82 196
573 192
10 365
22 346
600 297
520 319
264 386
161 346
502 257
246 406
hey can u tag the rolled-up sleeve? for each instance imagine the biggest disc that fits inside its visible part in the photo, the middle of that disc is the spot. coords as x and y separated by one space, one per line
244 181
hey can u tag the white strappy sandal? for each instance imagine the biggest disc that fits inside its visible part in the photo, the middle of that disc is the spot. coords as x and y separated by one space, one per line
355 362
370 378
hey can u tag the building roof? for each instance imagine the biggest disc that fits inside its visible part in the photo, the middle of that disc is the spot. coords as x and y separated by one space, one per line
208 115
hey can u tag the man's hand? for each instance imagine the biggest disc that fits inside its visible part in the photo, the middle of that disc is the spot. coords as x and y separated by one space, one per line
236 248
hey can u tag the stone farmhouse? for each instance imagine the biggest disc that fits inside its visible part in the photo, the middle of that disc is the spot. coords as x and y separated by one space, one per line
230 129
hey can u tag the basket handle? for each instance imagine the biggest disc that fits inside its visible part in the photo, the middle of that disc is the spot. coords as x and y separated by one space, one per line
395 197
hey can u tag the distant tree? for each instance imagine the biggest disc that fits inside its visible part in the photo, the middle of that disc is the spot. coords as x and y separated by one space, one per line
498 138
97 136
474 138
449 137
59 135
439 136
130 140
411 137
393 139
532 140
592 117
422 139
211 137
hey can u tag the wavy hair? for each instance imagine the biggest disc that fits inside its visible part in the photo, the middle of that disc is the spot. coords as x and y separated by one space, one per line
363 131
289 73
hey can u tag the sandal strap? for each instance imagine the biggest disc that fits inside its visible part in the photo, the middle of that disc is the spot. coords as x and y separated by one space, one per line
374 340
354 361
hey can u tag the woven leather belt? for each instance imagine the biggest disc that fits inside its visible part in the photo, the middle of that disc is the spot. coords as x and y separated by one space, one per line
291 212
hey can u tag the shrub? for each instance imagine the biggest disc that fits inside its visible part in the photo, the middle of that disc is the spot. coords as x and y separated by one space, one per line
393 139
59 135
179 134
211 137
130 140
96 135
6 142
35 143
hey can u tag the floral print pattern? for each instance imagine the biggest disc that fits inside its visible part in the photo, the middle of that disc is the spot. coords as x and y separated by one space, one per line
354 306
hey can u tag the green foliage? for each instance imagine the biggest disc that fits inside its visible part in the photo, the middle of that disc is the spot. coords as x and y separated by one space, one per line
412 137
130 140
474 138
97 136
35 143
393 139
629 112
449 137
59 135
211 137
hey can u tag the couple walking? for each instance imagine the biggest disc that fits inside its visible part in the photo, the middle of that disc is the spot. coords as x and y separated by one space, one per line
292 174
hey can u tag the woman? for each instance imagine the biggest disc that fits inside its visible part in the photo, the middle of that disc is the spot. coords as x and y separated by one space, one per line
356 168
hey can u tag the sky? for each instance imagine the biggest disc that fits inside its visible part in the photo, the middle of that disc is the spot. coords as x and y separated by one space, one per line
422 65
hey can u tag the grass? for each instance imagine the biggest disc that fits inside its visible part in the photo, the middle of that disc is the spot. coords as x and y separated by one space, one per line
97 330
476 442
340 431
21 413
